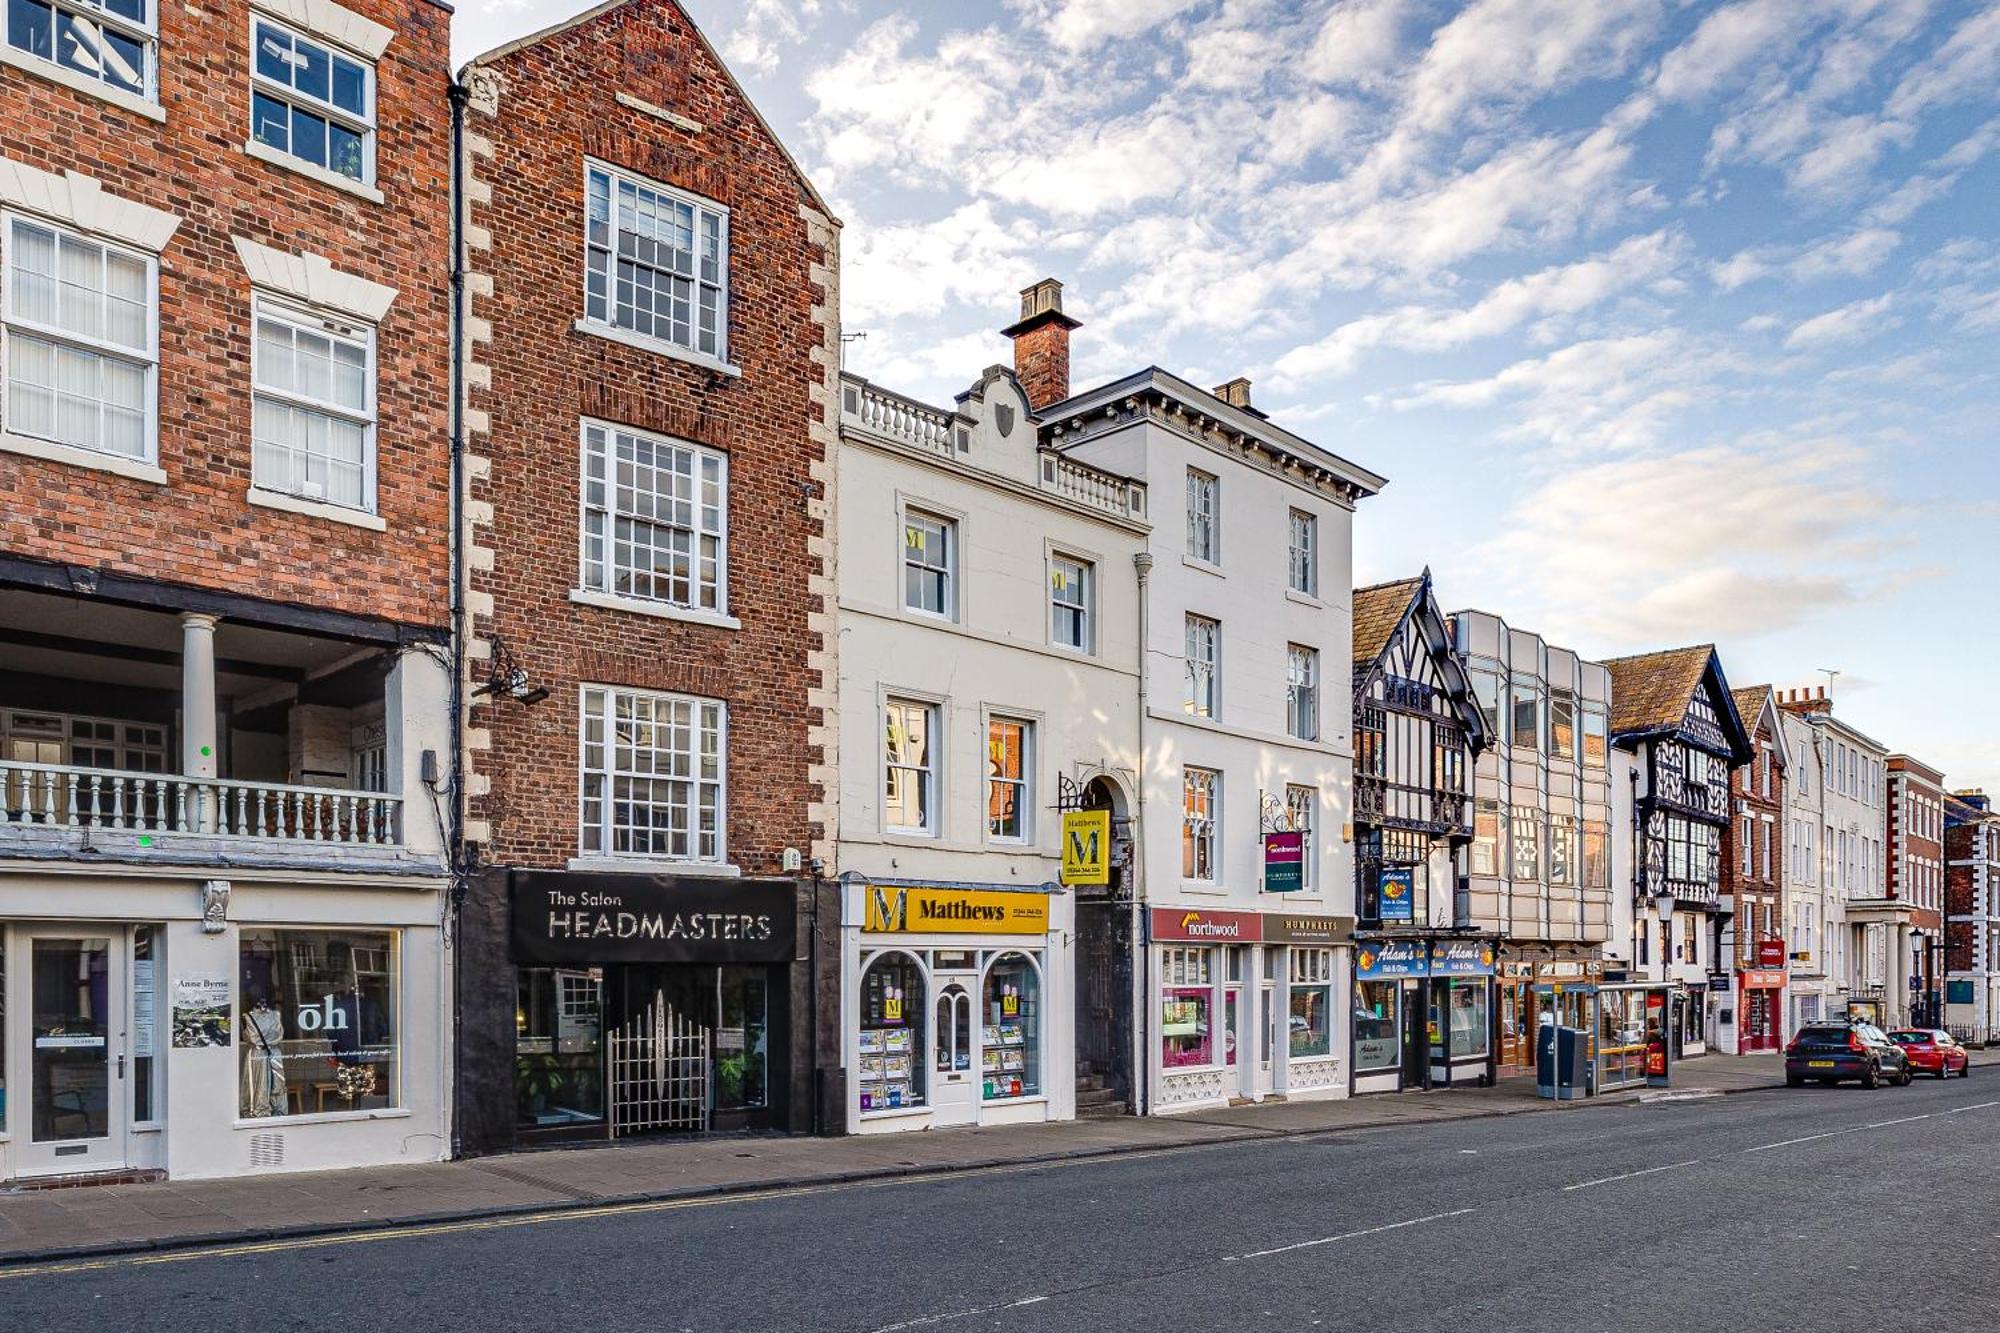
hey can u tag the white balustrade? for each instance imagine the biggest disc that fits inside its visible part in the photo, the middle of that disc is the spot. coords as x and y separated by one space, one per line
61 797
1087 485
899 418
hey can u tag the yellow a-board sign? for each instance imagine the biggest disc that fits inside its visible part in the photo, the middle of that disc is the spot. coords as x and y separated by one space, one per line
1086 847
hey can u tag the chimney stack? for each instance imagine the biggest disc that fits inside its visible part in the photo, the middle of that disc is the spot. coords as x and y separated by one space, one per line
1041 344
1807 701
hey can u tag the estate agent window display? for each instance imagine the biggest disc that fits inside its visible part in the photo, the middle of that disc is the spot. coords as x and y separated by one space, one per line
317 1022
906 1032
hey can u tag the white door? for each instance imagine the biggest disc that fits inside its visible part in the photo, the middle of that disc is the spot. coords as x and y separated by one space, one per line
955 1064
69 1045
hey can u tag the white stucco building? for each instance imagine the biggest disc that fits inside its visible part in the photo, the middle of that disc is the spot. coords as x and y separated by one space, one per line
1814 916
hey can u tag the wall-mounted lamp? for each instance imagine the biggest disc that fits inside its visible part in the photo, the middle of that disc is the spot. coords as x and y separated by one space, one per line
503 677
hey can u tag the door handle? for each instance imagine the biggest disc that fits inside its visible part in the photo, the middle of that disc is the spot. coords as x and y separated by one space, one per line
121 1064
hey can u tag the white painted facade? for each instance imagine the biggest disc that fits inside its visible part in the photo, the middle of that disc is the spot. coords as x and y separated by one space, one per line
1235 1000
968 493
1814 916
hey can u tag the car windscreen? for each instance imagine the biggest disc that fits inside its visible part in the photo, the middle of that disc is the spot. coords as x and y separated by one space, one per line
1836 1035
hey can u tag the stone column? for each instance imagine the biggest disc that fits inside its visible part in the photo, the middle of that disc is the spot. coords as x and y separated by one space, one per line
198 757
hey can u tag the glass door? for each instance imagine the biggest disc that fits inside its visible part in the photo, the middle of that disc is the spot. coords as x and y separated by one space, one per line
70 996
957 1074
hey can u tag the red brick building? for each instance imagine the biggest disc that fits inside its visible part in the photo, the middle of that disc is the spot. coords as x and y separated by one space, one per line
1972 914
224 521
651 347
1753 872
1916 876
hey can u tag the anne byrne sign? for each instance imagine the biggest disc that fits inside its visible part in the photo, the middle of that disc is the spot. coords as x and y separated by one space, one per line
583 918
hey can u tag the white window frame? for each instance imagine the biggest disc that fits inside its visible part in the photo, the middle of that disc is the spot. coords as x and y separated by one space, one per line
601 575
1302 715
608 321
146 33
1203 676
948 524
932 770
1086 608
603 827
1024 785
1211 826
363 124
1204 516
12 322
1302 554
303 317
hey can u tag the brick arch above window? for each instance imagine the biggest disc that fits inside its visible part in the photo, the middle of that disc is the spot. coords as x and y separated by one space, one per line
629 152
648 411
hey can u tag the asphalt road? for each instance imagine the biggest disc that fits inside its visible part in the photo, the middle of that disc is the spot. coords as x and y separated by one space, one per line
1781 1210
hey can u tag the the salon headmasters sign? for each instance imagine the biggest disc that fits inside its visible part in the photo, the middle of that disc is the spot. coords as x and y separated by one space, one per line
590 919
909 909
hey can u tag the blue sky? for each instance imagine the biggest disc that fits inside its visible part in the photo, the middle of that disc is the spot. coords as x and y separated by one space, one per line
1668 322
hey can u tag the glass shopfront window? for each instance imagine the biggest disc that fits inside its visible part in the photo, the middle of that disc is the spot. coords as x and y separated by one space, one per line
1011 1036
891 1074
1187 997
559 1046
1312 1003
742 1038
145 1027
1378 1035
1467 1020
317 1021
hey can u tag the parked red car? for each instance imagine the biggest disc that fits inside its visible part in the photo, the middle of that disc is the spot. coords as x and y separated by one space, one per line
1933 1051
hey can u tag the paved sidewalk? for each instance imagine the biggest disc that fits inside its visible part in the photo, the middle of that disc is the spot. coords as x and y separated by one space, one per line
106 1219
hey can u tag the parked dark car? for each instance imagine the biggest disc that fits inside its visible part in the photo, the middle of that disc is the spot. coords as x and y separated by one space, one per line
1933 1051
1831 1052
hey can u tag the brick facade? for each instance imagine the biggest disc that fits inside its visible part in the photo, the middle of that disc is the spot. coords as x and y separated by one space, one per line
1757 813
197 528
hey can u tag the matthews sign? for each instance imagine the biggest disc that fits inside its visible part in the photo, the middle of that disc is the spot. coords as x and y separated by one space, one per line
565 918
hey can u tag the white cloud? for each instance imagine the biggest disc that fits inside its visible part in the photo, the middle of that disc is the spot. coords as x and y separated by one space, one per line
1963 67
1509 51
1849 254
1081 25
1360 42
1854 322
1727 40
918 270
764 29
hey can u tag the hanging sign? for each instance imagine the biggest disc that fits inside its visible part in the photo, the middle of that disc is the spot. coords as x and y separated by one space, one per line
1086 847
1398 887
201 1010
1461 958
896 909
1770 953
1284 862
1392 958
1175 923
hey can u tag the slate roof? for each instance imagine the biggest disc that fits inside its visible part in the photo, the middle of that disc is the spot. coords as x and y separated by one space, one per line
1378 609
1651 692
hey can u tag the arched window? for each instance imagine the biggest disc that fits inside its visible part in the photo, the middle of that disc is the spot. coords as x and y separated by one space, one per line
1011 1049
891 1073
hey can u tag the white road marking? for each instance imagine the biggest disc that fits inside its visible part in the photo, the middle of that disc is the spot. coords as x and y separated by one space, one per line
1977 1106
1836 1133
1651 1170
1347 1235
1884 1124
925 1321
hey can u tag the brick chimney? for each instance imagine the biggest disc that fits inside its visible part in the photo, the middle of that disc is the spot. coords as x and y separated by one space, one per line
1041 344
1802 701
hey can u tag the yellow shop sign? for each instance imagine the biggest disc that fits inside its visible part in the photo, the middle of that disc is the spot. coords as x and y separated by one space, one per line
905 910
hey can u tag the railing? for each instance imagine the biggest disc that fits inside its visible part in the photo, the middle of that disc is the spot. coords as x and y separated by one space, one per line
898 418
59 797
1084 484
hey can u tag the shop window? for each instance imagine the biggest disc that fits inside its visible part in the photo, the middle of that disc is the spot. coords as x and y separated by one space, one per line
1312 1003
742 1038
318 1021
892 1034
1011 1036
1378 1030
1467 1020
1187 995
145 1024
559 1046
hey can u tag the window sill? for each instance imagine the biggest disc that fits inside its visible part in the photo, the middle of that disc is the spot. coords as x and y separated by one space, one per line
914 837
75 457
639 865
90 87
611 601
1304 599
657 345
333 513
896 1113
265 153
1206 567
1032 1099
326 1118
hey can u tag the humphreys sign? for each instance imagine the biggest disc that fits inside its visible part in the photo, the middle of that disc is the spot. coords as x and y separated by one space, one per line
583 918
1180 923
903 909
1285 928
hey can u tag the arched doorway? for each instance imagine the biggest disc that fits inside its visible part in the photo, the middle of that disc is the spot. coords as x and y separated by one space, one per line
1103 989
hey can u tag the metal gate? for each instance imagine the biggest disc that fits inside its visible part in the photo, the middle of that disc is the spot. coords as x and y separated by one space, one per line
659 1072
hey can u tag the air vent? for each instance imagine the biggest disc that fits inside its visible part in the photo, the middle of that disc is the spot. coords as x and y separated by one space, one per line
267 1150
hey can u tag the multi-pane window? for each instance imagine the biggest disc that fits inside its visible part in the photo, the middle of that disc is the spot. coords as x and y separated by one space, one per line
1008 799
1204 517
1069 602
652 775
1204 655
654 518
656 263
313 413
930 558
909 797
1303 567
1562 725
1200 788
80 349
1302 692
312 102
112 42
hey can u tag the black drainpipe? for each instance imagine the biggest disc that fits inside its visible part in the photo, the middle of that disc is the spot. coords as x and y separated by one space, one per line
461 870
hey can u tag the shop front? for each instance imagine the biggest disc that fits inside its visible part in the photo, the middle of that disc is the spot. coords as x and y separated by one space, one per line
201 1028
1760 1004
1422 1013
651 1004
956 1005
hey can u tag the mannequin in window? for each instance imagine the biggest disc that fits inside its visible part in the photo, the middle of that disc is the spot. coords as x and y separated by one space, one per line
264 1065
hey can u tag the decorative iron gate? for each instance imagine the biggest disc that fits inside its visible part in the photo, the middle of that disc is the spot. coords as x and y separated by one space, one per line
659 1072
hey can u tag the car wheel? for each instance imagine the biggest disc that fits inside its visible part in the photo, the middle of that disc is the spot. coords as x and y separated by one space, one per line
1908 1078
1966 1072
1871 1077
